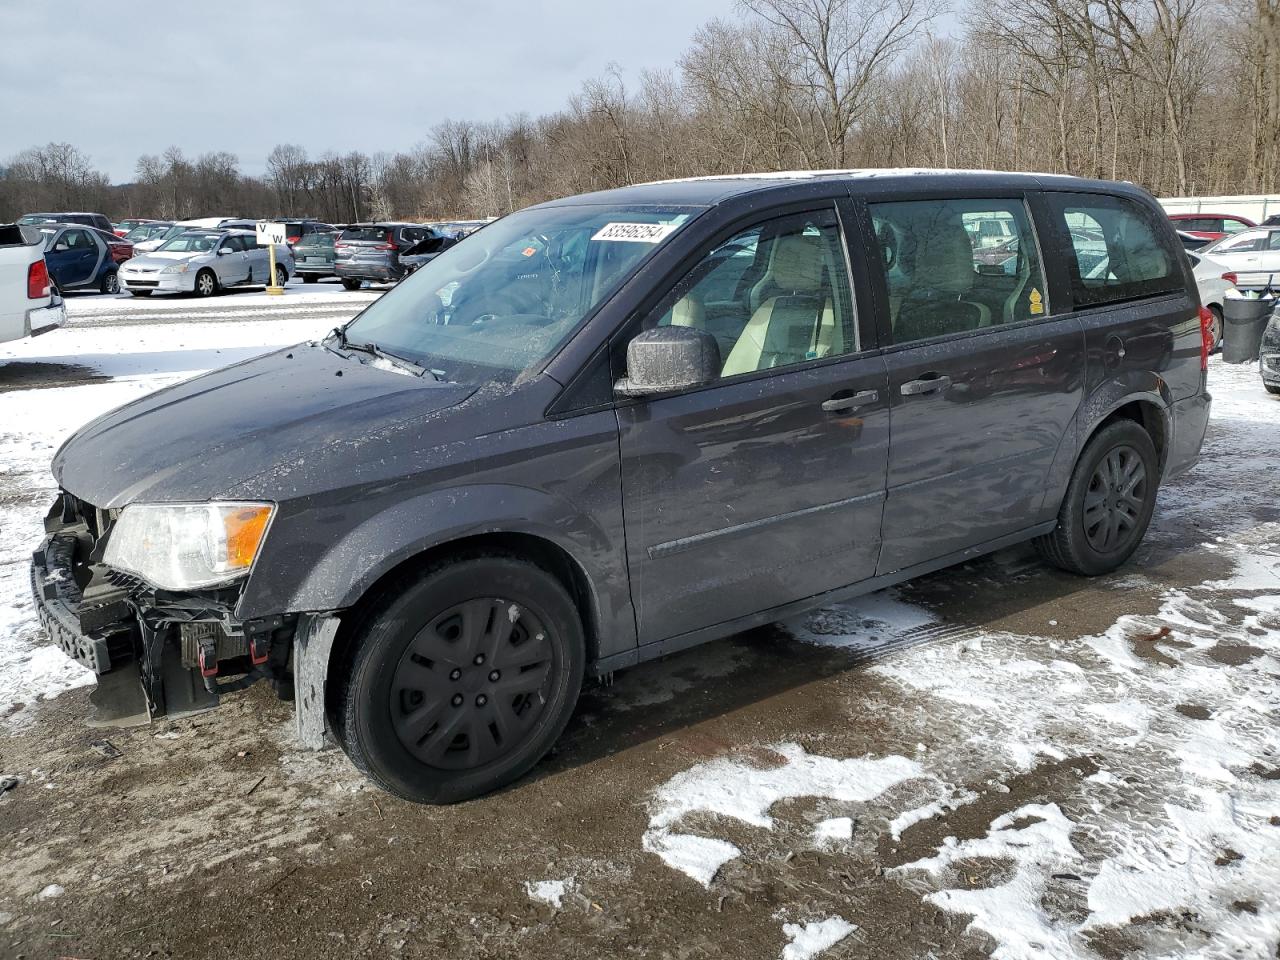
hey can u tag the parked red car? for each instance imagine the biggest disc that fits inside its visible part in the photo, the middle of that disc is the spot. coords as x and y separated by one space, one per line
121 249
1210 226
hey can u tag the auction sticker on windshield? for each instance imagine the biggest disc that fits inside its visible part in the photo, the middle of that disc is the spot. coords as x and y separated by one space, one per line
636 232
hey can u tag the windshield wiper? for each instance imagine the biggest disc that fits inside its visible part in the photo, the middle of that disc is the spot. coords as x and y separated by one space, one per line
373 350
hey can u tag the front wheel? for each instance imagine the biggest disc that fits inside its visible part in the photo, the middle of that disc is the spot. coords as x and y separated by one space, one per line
459 680
1109 502
351 284
282 276
206 284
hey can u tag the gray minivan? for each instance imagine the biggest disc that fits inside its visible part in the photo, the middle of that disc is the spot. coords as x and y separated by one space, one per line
613 426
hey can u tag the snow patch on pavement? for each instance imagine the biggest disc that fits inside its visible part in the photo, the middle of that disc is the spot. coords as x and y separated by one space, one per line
743 791
807 940
550 892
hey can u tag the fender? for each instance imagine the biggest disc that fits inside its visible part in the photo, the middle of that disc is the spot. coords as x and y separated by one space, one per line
346 569
1105 399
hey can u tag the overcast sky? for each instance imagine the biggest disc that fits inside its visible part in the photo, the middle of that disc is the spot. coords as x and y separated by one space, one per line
122 79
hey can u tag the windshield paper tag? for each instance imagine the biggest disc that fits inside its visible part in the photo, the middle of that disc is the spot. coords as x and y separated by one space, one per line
635 232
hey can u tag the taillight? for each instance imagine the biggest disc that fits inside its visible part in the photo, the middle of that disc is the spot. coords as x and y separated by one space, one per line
1231 278
1206 336
37 280
294 239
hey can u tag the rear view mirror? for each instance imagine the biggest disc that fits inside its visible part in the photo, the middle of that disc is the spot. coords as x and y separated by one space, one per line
669 358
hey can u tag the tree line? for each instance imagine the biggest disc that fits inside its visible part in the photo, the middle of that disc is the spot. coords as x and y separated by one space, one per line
1181 96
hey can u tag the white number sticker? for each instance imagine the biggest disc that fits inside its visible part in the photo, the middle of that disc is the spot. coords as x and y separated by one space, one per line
635 232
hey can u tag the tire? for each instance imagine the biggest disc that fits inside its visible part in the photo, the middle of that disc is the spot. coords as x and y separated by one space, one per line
206 284
110 282
140 293
282 276
351 284
1217 334
436 735
1273 389
310 278
1097 539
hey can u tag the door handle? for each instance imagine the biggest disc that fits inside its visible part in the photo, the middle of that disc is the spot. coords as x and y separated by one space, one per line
929 383
851 402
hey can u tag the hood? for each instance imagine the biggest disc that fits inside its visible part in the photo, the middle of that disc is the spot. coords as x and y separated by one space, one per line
196 440
151 260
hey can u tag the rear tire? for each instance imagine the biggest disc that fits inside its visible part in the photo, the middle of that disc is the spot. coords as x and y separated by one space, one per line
351 284
282 276
458 680
110 282
206 284
1109 502
310 278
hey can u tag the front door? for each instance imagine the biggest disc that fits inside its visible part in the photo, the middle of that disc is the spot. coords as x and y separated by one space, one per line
767 485
984 376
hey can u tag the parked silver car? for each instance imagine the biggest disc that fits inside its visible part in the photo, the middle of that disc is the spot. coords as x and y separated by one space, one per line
204 262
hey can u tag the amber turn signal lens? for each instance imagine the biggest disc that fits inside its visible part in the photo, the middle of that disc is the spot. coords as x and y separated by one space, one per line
245 528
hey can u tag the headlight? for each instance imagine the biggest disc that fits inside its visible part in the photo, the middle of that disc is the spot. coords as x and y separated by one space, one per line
179 267
185 546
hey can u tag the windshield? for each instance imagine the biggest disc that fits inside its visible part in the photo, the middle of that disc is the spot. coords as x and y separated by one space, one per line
507 296
191 243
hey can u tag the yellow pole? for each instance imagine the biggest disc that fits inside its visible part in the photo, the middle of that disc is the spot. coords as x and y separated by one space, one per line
271 285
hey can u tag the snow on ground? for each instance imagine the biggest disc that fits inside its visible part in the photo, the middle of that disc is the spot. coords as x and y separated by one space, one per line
807 940
550 892
1180 710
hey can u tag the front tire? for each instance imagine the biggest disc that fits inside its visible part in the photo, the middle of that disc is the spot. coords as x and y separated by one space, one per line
282 276
1109 502
206 284
460 679
1216 327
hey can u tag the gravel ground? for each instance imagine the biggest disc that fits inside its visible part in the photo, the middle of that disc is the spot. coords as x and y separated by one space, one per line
998 759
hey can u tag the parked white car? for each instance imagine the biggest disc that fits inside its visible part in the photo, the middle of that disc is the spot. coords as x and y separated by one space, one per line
156 241
1252 255
1212 280
204 262
28 304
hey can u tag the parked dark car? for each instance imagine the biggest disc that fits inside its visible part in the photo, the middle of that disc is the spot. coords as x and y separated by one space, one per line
313 256
372 251
1269 355
610 427
88 219
79 258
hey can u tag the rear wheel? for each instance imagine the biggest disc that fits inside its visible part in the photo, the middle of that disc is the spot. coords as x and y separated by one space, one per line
351 284
110 282
206 284
309 278
1109 502
459 680
282 276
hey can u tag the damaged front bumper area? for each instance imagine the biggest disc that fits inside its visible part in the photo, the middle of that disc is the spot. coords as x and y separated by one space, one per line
156 653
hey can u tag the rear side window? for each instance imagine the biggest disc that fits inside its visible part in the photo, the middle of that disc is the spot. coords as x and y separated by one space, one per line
1120 250
953 265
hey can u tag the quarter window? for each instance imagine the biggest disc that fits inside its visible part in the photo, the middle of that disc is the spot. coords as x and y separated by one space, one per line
774 295
952 266
1118 247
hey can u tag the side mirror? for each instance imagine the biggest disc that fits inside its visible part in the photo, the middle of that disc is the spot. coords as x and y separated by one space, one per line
669 358
223 251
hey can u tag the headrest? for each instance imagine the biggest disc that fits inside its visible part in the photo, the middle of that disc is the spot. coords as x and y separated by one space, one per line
943 256
797 263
